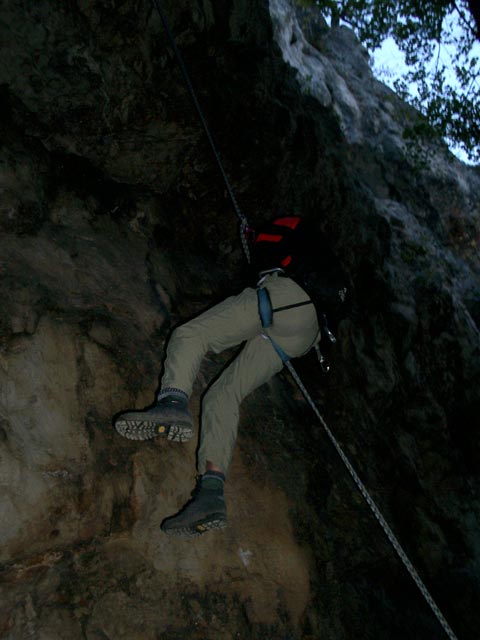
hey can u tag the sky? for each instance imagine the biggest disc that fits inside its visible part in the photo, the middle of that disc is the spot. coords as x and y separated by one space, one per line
389 63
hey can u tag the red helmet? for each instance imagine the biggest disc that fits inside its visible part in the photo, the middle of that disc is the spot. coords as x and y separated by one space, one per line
276 243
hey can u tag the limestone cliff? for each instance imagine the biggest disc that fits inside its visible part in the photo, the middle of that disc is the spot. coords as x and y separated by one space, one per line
115 226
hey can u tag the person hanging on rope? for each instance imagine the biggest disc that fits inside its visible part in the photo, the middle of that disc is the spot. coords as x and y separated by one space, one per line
276 255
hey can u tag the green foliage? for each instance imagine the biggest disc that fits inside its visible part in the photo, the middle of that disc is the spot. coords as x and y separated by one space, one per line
423 31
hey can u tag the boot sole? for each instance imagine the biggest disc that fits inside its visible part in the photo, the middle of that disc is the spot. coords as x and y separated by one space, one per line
146 430
210 523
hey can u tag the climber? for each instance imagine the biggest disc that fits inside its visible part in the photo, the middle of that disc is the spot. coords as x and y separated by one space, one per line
295 328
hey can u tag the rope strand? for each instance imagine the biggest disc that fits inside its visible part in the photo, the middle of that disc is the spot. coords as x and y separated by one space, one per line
243 227
375 510
242 218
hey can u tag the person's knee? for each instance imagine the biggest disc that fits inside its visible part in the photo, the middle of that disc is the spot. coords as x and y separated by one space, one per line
184 332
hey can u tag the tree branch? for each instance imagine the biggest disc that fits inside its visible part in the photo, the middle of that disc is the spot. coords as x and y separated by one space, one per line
474 7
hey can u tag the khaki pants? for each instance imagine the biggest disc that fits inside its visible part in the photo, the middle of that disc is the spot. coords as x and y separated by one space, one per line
230 323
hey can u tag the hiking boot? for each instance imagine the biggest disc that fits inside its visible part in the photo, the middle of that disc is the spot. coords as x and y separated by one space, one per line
204 512
169 418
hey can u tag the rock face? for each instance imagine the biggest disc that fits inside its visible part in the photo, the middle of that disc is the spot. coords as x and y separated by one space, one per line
115 226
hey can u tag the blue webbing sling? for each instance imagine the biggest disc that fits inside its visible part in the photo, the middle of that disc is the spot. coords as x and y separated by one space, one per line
266 316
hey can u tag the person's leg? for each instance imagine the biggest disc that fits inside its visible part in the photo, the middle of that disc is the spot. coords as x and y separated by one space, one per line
224 325
296 330
256 364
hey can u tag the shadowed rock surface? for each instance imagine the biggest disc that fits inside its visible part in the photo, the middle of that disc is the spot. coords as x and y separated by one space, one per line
115 227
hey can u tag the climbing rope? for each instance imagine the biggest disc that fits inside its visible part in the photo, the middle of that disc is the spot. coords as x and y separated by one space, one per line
244 227
376 512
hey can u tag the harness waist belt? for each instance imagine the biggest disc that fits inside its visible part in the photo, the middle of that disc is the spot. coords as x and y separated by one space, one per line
292 306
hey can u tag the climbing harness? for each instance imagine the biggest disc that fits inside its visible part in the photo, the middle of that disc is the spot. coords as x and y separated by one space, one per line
266 311
266 315
244 227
